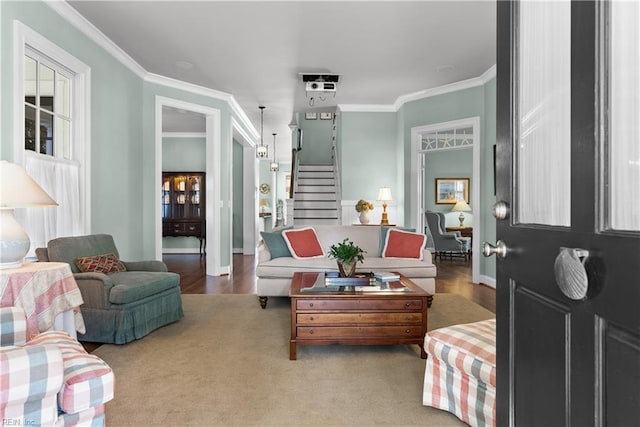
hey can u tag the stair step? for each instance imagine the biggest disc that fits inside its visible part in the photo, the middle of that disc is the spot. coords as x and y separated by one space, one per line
314 196
319 168
315 174
315 221
316 189
315 213
316 181
315 204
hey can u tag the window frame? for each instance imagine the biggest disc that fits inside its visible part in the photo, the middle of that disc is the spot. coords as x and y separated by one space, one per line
25 39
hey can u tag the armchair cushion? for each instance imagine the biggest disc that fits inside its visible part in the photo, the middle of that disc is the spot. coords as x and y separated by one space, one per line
133 286
105 263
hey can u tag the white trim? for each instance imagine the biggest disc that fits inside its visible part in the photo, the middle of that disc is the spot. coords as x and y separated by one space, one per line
81 104
367 108
417 191
184 134
426 93
489 281
88 29
212 180
247 139
205 91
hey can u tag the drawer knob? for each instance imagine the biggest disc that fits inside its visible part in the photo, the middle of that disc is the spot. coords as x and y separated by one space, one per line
311 332
408 331
408 304
311 305
311 318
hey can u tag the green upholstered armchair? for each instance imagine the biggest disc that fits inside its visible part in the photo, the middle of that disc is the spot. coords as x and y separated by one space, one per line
120 306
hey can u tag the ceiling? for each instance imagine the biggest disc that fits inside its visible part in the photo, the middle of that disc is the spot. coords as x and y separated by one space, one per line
255 50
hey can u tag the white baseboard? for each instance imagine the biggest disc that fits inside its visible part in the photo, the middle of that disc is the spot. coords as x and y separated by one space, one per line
489 281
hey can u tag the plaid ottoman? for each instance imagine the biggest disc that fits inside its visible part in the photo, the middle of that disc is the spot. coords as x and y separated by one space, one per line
460 376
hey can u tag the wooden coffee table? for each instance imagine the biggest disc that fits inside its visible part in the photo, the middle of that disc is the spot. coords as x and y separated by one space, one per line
371 317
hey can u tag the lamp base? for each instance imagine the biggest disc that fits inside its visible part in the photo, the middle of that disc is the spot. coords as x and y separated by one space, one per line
385 219
14 242
461 219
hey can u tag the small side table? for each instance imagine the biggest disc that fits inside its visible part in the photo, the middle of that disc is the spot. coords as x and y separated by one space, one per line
47 292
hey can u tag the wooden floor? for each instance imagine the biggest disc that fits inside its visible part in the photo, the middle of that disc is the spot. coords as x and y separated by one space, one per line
454 276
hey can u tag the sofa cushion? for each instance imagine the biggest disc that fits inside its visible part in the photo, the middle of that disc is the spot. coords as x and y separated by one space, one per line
132 286
67 249
303 243
104 263
275 243
383 235
404 244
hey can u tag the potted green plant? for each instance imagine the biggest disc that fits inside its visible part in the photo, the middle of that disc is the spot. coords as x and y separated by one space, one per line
363 207
347 254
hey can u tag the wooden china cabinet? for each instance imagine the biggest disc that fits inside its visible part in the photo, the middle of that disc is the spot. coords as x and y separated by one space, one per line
183 206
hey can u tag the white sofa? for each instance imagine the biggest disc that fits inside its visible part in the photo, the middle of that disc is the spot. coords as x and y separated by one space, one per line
274 275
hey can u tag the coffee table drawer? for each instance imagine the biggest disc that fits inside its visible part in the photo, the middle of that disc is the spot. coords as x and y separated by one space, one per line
339 332
357 318
360 304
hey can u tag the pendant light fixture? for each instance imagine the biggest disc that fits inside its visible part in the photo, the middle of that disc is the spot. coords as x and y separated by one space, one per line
261 150
274 165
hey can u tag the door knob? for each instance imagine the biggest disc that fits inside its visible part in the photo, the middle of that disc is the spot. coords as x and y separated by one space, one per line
500 249
501 210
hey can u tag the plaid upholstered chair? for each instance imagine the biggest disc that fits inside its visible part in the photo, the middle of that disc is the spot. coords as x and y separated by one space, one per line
49 380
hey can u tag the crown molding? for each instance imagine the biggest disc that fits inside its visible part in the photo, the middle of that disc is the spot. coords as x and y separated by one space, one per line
88 29
92 32
367 108
426 93
441 90
184 134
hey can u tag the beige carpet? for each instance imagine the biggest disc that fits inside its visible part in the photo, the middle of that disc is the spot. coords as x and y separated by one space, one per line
227 363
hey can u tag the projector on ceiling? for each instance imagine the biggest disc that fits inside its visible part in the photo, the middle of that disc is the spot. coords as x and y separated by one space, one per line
320 87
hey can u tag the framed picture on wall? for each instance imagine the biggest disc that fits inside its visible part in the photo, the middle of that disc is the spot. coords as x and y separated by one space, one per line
309 115
450 190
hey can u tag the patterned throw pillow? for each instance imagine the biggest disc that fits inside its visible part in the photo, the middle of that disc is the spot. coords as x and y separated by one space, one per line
105 263
404 244
303 243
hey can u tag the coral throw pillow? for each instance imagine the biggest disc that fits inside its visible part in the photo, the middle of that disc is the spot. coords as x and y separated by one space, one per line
303 243
404 244
105 263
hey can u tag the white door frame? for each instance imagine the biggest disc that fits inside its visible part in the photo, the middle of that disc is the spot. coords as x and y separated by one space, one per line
417 179
213 203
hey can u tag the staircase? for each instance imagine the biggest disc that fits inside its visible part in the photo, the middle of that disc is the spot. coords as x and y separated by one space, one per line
315 195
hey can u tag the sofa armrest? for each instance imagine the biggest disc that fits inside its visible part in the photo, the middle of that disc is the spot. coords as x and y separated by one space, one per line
13 326
36 375
145 265
94 288
263 253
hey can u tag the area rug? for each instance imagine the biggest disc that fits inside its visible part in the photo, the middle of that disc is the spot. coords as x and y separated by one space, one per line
226 363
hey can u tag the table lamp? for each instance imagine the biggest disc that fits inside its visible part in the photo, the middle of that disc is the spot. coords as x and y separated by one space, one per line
17 190
384 196
461 206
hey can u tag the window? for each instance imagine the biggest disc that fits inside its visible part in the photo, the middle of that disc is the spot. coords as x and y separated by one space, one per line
47 106
52 134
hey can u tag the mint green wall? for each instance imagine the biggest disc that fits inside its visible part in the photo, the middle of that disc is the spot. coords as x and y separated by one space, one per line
116 123
317 134
367 151
476 101
445 164
238 211
183 155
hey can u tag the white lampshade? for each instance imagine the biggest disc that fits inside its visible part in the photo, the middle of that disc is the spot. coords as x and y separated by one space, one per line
17 190
384 194
461 206
262 152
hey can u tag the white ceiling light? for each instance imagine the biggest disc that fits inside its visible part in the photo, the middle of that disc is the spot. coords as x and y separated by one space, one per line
262 152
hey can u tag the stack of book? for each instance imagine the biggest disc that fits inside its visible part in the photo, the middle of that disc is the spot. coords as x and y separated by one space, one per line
386 276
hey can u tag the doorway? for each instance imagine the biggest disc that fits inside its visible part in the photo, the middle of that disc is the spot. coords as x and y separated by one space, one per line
463 134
